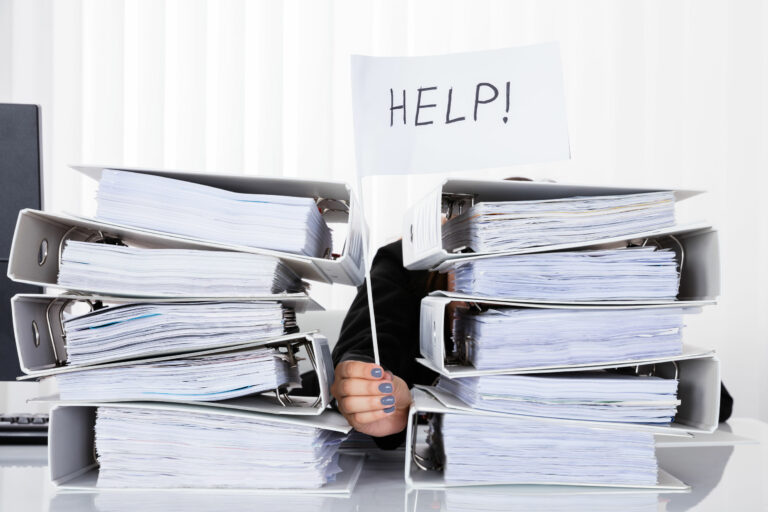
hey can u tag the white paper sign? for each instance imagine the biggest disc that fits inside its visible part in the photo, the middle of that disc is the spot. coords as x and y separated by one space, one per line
460 111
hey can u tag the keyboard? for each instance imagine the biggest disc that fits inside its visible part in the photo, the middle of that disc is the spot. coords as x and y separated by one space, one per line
23 428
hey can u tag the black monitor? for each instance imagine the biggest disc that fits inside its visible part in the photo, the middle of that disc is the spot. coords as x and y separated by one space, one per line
20 187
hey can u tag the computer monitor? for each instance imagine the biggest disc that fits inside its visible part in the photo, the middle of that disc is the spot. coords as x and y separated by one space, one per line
20 187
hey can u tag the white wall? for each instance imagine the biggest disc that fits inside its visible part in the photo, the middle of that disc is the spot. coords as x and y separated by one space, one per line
660 93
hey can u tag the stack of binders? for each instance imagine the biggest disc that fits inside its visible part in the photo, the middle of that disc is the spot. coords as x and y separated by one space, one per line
175 344
560 342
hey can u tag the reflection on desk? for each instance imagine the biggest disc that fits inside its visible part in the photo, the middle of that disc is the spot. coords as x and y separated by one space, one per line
722 477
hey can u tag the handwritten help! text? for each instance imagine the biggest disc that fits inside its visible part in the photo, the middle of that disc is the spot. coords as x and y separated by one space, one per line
485 93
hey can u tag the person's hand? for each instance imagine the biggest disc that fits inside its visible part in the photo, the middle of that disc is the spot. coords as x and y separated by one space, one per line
373 401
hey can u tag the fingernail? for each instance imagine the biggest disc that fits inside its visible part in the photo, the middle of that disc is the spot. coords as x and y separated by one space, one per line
389 409
376 372
385 388
388 400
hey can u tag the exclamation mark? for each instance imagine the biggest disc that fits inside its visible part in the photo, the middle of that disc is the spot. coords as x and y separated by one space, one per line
505 119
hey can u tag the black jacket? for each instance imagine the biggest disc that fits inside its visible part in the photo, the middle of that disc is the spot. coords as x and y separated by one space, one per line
397 294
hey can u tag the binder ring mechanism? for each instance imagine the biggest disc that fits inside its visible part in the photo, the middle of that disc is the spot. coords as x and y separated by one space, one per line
57 308
332 209
97 236
661 243
281 393
460 202
462 354
431 459
54 317
651 370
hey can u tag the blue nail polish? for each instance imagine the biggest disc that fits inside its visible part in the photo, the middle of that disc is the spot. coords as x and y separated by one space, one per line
389 409
388 400
385 388
376 372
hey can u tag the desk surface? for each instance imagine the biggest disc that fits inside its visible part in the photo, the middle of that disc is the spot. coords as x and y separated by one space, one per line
723 477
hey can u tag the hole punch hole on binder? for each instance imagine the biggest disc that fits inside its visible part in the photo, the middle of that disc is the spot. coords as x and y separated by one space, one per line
42 255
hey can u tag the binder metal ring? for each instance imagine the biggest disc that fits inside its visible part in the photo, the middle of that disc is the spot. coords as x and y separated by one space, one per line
680 251
92 236
451 201
313 359
334 205
652 372
36 333
61 358
420 461
281 394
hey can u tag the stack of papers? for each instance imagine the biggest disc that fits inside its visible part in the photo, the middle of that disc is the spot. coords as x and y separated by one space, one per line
280 223
633 273
509 338
140 330
498 449
512 225
202 378
146 448
132 271
590 396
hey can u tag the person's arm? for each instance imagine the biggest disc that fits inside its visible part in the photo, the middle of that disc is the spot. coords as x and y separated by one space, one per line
358 387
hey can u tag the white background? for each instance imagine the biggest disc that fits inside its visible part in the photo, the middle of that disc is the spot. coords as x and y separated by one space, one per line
659 93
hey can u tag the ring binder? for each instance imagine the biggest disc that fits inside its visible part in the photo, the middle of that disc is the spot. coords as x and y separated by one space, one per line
422 228
42 316
426 472
438 356
698 391
73 463
698 271
276 401
336 200
35 229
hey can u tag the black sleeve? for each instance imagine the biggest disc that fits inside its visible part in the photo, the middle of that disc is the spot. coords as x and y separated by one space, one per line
397 294
726 403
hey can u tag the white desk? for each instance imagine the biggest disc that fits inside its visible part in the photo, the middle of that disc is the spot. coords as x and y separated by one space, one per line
722 477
